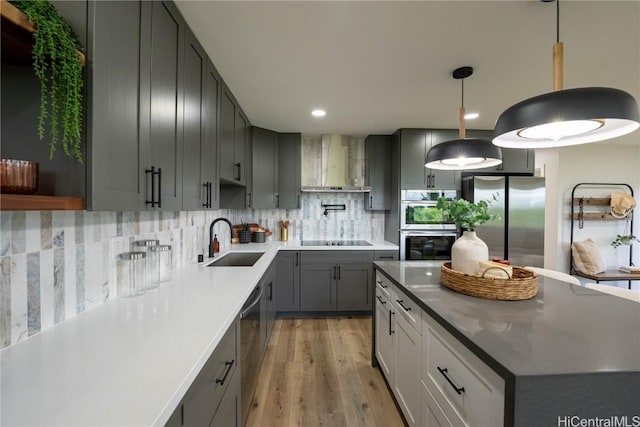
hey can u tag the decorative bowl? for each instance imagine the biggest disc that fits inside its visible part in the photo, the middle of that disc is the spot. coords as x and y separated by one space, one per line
18 176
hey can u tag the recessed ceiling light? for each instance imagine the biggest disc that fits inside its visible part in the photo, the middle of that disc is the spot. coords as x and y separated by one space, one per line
471 116
318 113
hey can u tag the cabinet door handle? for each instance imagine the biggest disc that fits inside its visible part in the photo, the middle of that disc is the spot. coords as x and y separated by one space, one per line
401 302
391 313
370 201
385 257
239 166
380 299
159 187
339 273
277 200
444 371
433 181
226 374
206 195
297 256
270 291
249 199
151 171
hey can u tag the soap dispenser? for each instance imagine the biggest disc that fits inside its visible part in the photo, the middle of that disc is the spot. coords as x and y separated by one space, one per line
216 244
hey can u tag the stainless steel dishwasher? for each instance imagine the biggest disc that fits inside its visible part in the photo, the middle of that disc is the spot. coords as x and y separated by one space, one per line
251 343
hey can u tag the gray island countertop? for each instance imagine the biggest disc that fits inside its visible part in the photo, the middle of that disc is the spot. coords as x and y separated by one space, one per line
569 346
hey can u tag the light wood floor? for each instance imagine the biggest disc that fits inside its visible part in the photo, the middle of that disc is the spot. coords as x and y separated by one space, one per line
317 372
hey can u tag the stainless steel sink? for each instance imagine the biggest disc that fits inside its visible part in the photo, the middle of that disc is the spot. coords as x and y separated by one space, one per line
236 259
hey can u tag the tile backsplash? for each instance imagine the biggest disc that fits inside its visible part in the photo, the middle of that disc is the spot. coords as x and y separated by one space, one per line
57 264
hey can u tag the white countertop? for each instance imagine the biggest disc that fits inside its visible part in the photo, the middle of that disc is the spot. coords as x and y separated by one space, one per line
130 361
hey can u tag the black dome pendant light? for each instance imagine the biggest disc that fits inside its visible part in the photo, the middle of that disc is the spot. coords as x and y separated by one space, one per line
566 117
463 153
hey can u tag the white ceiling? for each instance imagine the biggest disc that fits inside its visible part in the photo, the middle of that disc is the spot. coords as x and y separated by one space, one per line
377 66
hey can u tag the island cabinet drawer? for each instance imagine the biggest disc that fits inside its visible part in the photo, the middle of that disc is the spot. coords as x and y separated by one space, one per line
203 397
336 256
468 391
384 285
408 309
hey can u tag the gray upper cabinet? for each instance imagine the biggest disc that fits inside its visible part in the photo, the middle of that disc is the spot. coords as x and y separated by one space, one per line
377 153
413 174
514 160
161 94
442 179
234 128
264 172
289 179
201 93
116 156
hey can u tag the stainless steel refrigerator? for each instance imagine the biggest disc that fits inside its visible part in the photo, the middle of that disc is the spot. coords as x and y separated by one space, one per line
519 233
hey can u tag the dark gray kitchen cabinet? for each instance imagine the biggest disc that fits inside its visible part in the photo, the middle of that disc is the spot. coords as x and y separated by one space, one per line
234 128
413 174
200 121
336 281
442 179
317 287
287 284
216 387
228 413
116 156
161 95
264 173
289 173
514 160
270 306
386 255
377 154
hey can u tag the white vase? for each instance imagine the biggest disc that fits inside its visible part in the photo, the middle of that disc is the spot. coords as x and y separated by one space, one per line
467 252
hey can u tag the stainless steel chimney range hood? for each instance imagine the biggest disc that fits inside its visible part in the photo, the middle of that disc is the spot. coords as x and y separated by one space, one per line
333 164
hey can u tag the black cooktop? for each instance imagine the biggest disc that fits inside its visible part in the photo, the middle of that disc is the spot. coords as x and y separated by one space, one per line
335 243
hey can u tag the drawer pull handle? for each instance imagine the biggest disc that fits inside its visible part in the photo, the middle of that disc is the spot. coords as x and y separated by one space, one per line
379 282
391 313
226 374
386 257
401 302
380 299
444 371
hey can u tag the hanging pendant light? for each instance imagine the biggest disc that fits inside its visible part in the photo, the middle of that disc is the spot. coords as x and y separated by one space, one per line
566 117
463 153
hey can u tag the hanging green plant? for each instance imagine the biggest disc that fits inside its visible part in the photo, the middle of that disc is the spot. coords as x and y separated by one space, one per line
58 66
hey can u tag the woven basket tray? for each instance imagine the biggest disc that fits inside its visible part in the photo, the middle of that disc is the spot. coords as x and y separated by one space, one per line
523 284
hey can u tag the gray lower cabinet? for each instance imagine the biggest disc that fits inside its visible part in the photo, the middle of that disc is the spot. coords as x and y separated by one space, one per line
287 284
264 173
384 255
377 161
161 77
269 302
336 281
289 174
215 393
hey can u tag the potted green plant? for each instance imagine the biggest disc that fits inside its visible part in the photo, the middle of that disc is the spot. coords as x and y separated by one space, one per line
468 250
58 66
627 239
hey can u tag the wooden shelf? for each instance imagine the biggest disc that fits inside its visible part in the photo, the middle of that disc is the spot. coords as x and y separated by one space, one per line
592 201
17 36
608 276
22 202
599 216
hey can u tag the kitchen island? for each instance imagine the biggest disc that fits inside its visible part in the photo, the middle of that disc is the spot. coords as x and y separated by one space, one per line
567 352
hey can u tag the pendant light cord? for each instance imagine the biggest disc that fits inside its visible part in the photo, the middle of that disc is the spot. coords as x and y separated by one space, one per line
558 55
557 21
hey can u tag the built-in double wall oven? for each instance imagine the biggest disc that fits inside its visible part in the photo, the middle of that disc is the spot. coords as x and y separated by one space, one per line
424 233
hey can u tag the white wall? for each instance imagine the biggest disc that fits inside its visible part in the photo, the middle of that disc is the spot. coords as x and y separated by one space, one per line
616 161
